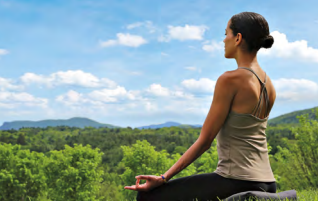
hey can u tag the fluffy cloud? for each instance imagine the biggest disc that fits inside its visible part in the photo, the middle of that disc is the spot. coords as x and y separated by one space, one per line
188 32
7 84
72 78
282 48
3 52
212 46
149 106
125 40
203 85
158 90
14 100
98 97
72 98
111 95
296 89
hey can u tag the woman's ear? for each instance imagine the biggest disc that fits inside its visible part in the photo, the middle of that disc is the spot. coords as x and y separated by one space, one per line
238 38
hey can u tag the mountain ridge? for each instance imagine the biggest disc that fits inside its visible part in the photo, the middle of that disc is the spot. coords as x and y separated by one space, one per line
81 122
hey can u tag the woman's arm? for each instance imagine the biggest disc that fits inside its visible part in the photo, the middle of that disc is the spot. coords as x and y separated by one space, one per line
224 93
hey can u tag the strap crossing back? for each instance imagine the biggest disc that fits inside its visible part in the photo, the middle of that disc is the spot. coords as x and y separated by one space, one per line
263 92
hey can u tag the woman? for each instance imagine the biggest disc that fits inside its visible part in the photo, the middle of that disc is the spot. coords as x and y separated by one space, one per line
238 116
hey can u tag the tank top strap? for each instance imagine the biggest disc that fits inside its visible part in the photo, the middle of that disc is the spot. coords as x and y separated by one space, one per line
249 69
259 105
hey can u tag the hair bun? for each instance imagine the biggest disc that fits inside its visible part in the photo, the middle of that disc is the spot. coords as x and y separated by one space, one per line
267 41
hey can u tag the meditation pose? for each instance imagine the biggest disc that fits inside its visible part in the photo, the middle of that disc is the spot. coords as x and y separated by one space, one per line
242 101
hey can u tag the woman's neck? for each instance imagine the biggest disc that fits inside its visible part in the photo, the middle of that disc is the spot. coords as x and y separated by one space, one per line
246 60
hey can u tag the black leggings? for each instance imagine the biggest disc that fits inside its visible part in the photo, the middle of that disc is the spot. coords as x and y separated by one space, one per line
202 187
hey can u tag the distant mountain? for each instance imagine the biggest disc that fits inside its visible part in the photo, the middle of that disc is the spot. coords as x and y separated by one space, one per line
169 124
291 118
73 122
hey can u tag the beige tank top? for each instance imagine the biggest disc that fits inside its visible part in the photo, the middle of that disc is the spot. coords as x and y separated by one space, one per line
242 145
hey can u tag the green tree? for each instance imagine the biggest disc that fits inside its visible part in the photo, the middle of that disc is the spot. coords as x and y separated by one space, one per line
21 173
142 159
72 173
21 139
298 163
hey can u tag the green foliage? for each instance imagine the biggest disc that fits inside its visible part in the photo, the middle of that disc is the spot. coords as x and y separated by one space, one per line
110 191
21 173
142 159
127 152
298 163
72 173
291 118
209 160
190 170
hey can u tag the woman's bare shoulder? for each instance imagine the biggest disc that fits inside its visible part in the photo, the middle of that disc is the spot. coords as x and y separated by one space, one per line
232 76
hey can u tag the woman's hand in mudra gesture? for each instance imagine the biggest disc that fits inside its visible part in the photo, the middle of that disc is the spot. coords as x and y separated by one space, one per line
152 182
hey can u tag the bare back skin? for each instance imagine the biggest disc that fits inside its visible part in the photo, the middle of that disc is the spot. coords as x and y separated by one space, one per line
249 89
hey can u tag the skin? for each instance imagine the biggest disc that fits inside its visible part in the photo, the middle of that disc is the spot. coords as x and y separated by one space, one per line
236 90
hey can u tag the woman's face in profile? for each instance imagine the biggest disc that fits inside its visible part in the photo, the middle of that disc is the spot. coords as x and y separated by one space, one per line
229 42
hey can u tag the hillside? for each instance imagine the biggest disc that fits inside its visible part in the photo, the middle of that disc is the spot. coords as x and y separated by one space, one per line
169 124
291 118
73 122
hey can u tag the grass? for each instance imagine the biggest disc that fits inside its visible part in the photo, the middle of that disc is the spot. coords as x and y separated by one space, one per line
307 195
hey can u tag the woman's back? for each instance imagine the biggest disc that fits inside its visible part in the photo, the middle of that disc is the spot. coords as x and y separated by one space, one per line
241 142
249 92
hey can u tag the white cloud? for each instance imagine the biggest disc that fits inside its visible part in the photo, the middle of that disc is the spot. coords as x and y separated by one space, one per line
73 78
78 77
148 24
109 43
158 90
212 46
151 106
296 89
181 94
125 40
14 100
188 32
3 52
163 38
109 95
6 84
98 98
71 98
282 48
203 85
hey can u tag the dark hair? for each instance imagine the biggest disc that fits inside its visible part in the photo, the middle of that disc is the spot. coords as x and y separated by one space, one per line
254 30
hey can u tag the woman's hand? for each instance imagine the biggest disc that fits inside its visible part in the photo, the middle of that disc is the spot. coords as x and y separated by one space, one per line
152 182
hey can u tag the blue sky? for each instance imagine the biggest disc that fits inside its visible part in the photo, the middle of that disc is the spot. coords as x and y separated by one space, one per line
134 63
